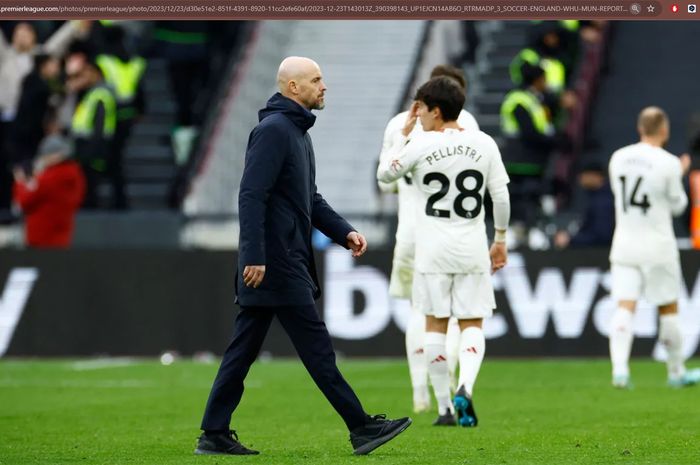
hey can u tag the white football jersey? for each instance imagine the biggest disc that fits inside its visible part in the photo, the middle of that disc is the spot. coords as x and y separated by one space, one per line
451 170
648 188
408 195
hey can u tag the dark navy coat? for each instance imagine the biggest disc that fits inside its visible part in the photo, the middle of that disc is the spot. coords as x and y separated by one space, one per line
278 204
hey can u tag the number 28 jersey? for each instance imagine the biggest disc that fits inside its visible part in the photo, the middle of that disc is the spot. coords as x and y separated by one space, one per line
451 169
647 184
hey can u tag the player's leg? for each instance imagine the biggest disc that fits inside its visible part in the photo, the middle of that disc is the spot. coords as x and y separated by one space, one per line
626 289
417 360
671 337
400 285
453 338
473 300
436 352
664 286
431 293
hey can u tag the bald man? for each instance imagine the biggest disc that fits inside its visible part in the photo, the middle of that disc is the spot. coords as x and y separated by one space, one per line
648 187
278 205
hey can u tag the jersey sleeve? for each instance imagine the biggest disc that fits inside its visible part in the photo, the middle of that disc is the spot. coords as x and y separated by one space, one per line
401 159
467 121
677 198
391 136
497 176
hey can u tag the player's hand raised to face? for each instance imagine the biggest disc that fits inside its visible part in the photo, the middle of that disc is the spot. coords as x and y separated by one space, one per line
411 119
499 256
357 243
253 275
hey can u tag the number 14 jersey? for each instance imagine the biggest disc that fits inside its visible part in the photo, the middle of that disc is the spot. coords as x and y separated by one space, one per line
647 184
451 170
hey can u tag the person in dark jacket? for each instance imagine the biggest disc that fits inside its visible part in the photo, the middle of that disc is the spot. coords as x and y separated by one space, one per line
278 206
27 129
598 222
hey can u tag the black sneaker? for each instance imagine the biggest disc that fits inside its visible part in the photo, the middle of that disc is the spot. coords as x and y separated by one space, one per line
225 443
464 406
377 431
447 419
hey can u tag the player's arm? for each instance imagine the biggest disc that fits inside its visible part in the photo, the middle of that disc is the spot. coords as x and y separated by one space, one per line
387 144
400 160
263 162
497 185
677 198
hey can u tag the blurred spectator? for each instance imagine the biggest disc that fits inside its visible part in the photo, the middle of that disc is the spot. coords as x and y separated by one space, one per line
530 139
50 198
123 72
16 61
27 130
548 50
185 46
598 221
94 121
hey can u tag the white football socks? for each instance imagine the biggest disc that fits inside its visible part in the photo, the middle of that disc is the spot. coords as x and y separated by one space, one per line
417 361
437 369
453 337
472 346
621 337
672 339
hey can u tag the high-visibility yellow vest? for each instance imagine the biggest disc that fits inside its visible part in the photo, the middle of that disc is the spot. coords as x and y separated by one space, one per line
537 111
83 123
124 77
554 70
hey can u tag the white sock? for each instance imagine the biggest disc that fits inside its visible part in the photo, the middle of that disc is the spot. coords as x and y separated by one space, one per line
672 339
453 337
415 353
472 346
437 369
621 341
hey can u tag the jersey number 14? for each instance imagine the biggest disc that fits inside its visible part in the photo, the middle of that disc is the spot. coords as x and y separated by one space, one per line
464 193
634 200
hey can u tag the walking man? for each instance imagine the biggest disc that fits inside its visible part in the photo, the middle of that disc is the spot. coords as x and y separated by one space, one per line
278 206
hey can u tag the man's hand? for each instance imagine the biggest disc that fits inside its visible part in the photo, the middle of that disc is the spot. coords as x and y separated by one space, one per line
357 243
499 256
685 163
253 275
410 120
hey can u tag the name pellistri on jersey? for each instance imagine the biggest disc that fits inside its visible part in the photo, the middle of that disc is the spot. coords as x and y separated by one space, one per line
447 152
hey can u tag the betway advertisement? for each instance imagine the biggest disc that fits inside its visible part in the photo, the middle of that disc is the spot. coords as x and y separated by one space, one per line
83 303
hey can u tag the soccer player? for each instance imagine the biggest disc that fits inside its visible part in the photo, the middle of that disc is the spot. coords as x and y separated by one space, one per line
452 168
402 267
647 184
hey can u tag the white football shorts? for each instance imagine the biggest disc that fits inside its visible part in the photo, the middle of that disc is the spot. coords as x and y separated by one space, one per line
464 296
658 283
401 280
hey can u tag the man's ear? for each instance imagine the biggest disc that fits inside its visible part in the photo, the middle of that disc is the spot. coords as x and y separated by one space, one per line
293 87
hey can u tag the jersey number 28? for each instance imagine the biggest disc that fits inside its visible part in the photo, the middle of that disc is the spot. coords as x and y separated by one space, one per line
464 193
634 199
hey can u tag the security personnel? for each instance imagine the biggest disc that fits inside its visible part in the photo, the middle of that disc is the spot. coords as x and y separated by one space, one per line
530 139
546 52
94 121
123 73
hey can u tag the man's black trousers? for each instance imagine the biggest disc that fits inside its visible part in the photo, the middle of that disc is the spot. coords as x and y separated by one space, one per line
311 341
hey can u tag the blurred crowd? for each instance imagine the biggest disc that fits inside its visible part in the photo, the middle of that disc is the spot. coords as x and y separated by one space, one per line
534 117
71 94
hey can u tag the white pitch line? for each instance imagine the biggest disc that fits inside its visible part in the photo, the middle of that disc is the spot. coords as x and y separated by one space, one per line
101 363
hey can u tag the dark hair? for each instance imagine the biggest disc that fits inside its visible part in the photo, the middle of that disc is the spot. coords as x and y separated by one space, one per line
444 93
40 59
450 72
530 73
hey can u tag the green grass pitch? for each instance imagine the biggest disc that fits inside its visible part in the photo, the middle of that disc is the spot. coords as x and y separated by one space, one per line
530 412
